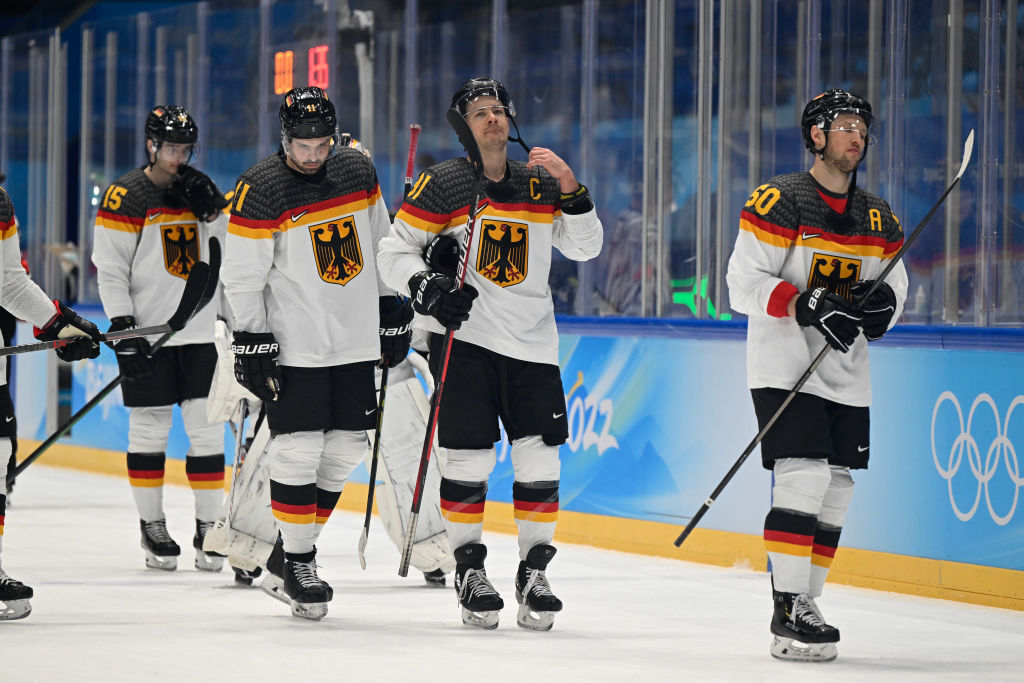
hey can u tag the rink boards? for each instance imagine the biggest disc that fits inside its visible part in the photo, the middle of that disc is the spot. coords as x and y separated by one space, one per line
658 413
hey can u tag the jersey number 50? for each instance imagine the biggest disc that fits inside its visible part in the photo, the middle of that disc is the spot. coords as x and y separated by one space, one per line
763 199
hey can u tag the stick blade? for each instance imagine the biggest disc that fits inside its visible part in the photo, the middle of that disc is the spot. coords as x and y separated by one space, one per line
968 150
362 547
195 287
461 129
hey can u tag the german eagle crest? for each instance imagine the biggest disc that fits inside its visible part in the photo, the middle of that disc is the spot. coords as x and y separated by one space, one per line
502 256
181 248
336 250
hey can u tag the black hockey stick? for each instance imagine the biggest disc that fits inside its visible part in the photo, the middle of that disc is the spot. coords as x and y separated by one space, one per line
373 466
968 148
206 295
194 286
469 143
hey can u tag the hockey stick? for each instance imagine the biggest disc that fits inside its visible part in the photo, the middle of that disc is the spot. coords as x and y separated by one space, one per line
206 295
373 467
968 148
410 164
469 143
190 297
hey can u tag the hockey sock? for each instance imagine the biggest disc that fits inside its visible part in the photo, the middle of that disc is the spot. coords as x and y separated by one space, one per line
788 538
536 512
146 476
462 506
325 504
826 541
206 477
294 509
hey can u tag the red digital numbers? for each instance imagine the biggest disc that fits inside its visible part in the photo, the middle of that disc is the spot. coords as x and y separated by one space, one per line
319 69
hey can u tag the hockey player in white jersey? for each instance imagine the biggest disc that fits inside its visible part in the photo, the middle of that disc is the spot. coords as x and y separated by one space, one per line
153 224
53 320
311 320
504 359
809 244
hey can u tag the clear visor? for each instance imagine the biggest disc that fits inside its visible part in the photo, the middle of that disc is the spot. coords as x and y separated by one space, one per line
179 152
304 148
850 124
472 106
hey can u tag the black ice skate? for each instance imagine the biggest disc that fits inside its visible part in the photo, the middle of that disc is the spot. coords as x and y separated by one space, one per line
14 598
537 604
434 578
309 594
479 601
801 633
206 561
273 583
244 577
161 550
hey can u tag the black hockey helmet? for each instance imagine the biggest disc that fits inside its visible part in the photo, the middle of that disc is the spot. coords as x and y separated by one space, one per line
307 113
481 86
822 110
171 123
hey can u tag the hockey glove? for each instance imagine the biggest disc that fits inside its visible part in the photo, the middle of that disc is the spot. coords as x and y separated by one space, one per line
436 295
877 309
442 255
395 329
198 192
256 366
833 315
66 324
133 357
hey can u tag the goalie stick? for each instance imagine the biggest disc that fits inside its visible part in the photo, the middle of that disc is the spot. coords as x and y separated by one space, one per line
188 297
469 144
195 287
968 148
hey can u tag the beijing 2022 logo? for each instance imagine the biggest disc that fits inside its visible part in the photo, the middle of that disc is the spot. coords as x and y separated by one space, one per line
963 454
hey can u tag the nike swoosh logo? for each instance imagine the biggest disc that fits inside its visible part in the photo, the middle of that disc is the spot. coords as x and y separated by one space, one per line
555 416
8 419
861 449
367 412
810 235
297 216
151 216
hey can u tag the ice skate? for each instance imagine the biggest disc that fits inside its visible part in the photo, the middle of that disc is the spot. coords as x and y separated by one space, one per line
244 577
309 594
273 583
161 550
435 578
206 561
479 601
537 604
801 633
14 598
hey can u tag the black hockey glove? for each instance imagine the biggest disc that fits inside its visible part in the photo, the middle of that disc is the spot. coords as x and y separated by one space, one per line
395 329
65 324
877 309
833 315
256 366
133 357
436 295
442 255
198 192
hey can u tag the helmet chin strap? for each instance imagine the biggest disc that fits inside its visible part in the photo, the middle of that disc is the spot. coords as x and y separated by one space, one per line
519 136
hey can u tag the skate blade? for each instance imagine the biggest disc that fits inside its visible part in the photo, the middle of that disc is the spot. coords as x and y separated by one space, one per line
168 563
14 609
314 611
486 620
205 562
794 651
434 579
534 621
244 577
274 587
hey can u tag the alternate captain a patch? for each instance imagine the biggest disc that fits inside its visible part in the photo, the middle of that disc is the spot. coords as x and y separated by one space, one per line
336 250
502 254
835 273
181 248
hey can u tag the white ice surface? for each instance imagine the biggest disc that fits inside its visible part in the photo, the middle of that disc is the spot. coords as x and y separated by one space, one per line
100 615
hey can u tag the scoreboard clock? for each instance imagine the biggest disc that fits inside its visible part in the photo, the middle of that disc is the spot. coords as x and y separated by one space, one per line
302 65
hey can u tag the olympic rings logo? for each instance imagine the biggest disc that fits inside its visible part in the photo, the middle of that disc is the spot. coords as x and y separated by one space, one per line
1000 451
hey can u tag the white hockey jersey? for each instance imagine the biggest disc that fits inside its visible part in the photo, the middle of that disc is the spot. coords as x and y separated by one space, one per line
144 246
791 240
518 222
301 262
